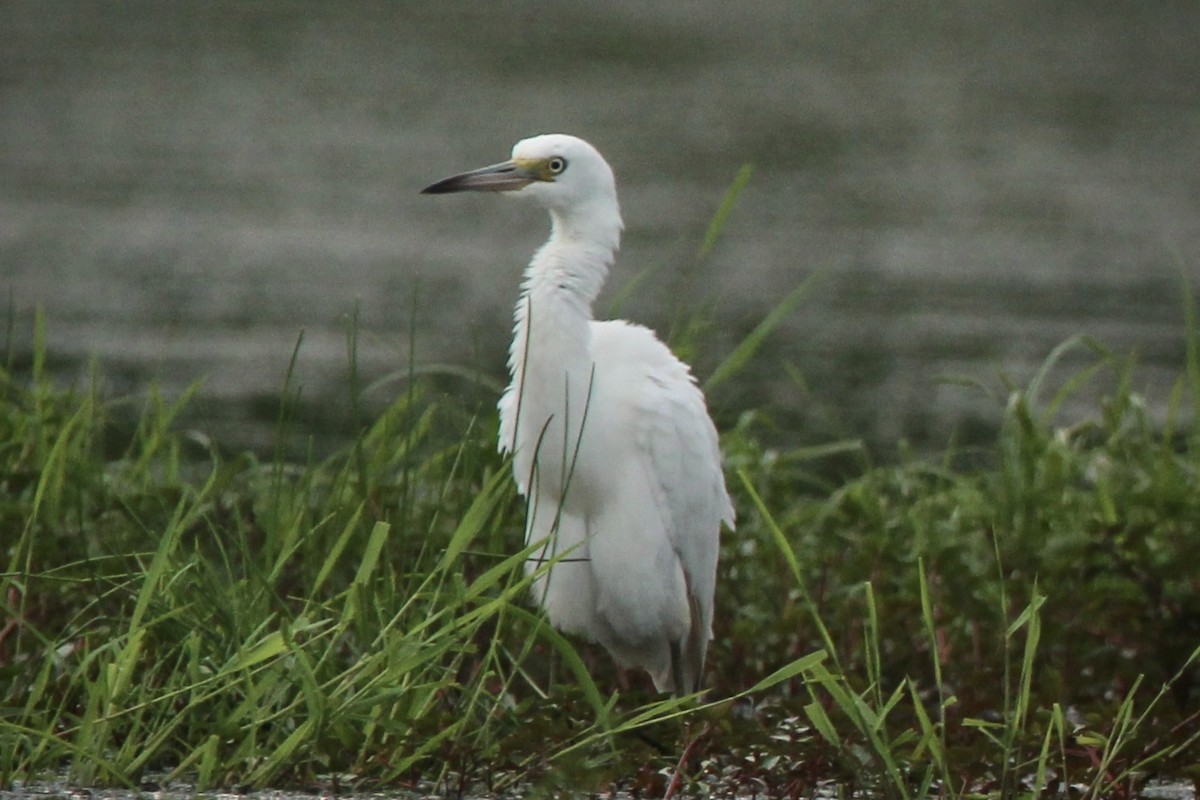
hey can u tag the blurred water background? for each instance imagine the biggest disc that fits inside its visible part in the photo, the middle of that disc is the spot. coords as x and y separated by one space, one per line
185 186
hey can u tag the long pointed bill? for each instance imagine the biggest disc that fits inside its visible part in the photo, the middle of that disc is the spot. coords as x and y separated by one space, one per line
497 178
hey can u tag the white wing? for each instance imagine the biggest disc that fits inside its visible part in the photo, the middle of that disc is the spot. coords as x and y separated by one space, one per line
646 502
676 442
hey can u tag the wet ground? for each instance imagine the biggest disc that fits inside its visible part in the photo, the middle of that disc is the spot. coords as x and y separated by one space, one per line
59 791
186 187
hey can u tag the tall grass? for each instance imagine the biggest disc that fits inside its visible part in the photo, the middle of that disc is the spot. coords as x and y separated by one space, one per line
238 620
1017 622
1011 630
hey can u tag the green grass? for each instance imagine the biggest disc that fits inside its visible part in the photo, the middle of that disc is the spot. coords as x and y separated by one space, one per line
994 624
1019 620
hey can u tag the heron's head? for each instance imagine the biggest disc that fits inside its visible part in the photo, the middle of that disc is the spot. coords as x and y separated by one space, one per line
563 173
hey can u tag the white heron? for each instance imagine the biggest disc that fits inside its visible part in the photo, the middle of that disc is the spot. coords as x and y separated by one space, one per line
612 444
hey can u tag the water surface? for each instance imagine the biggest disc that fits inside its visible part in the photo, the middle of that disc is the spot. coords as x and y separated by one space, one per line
186 186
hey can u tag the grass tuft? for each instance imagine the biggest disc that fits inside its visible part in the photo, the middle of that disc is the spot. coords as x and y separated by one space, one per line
1021 622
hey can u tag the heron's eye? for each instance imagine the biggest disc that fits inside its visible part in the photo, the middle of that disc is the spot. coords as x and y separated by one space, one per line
556 165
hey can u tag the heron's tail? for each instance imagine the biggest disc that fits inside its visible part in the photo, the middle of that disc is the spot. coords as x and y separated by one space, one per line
687 656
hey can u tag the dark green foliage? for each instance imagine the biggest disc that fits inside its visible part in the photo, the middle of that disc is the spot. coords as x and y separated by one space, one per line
993 622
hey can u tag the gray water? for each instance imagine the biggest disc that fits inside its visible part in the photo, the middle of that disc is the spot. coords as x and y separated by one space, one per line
186 186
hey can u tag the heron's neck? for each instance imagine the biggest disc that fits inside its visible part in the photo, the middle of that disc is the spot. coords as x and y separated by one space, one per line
561 282
550 359
569 270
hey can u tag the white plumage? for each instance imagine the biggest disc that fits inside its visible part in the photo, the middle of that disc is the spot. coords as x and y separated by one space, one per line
611 440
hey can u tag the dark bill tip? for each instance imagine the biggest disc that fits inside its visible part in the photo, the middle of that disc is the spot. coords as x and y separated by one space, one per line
446 186
496 178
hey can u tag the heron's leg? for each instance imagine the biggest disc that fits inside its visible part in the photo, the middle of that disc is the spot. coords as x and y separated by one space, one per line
697 642
677 669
